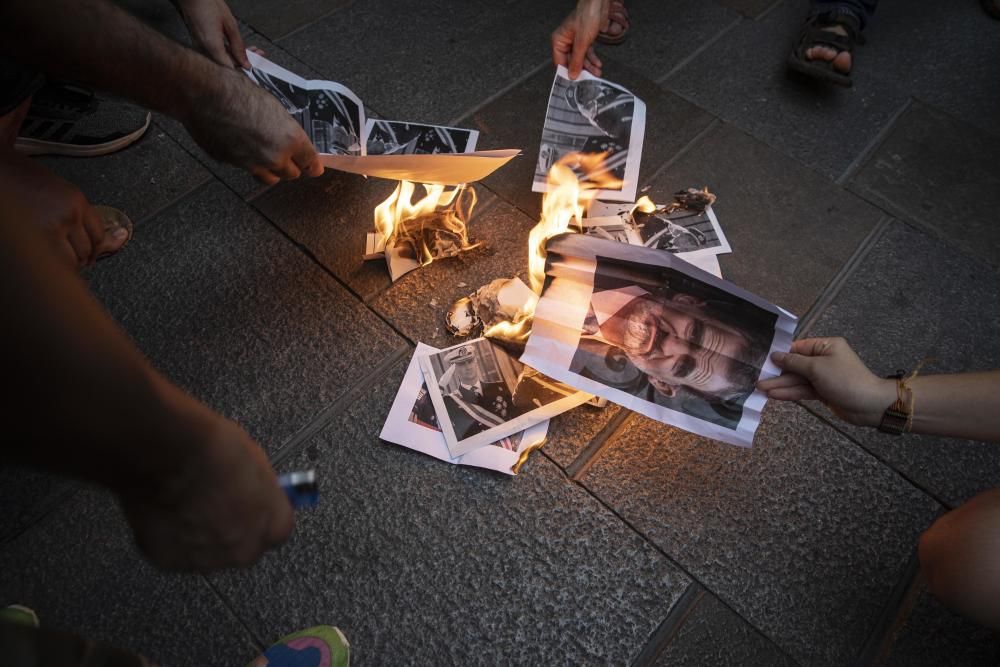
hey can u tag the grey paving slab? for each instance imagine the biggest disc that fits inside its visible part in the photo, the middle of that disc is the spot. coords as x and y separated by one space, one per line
913 299
139 180
751 8
230 310
571 432
418 561
26 495
291 15
330 216
743 80
941 53
804 536
662 36
942 173
239 180
713 634
417 303
934 636
80 573
791 230
428 62
516 119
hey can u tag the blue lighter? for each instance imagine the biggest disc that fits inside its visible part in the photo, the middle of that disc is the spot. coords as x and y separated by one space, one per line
301 488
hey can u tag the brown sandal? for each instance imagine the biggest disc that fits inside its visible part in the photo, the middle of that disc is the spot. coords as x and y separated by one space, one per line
617 14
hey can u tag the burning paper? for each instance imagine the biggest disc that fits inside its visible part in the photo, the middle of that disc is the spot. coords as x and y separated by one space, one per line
505 300
593 117
413 233
653 333
413 423
334 119
481 394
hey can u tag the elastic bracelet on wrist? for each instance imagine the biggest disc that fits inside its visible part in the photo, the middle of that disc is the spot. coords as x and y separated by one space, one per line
898 417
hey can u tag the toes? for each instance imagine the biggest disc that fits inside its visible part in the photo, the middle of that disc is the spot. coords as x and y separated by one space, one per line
842 63
823 53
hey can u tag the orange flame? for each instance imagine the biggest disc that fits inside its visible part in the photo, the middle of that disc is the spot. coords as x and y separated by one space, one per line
435 225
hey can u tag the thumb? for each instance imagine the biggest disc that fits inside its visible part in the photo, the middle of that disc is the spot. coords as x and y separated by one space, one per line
795 363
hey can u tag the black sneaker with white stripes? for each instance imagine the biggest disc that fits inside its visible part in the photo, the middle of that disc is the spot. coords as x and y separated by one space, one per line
66 119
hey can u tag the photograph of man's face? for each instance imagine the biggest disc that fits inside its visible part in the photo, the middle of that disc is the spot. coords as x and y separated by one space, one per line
670 340
467 372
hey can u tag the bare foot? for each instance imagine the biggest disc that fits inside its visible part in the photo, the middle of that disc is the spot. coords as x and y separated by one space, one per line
841 59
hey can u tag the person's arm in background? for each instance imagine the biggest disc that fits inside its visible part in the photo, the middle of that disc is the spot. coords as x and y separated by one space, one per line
572 41
81 400
214 31
96 43
962 405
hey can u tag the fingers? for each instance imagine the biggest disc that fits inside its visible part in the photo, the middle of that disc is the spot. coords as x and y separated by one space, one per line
816 347
80 241
782 381
803 392
580 47
287 170
94 227
66 251
237 49
593 63
264 176
561 46
308 160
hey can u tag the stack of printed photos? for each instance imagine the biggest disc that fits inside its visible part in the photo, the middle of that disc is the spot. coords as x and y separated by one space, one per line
334 119
474 404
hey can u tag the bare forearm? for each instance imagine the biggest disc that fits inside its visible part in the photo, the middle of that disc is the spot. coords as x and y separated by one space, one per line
97 43
964 405
81 399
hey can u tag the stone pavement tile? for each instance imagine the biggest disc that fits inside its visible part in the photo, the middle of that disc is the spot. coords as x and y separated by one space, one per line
662 36
714 635
330 216
804 536
941 173
277 21
417 303
80 572
944 54
231 311
909 300
26 495
743 80
751 8
428 62
571 432
790 229
935 636
239 180
418 561
139 180
515 121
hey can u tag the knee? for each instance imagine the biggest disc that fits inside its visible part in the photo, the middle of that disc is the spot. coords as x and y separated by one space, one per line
936 552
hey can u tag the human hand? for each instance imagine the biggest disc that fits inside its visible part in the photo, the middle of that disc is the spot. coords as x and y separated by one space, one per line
828 370
60 209
220 507
214 31
244 125
572 41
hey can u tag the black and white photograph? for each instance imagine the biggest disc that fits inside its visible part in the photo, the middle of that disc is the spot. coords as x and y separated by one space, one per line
681 231
655 334
413 423
331 115
390 137
482 394
592 116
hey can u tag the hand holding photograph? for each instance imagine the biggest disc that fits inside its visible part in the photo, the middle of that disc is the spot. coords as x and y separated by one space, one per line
591 116
413 423
482 394
334 119
657 335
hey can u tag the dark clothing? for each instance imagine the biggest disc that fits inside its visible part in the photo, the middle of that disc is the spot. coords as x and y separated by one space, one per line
17 83
862 10
473 413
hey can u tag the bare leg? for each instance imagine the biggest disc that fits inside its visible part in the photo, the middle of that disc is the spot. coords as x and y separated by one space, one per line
10 124
960 558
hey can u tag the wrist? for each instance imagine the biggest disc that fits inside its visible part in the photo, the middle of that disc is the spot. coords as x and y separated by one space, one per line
882 395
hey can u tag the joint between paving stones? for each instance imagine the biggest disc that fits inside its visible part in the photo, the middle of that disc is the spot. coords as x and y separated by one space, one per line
666 632
465 115
579 467
833 288
894 615
337 408
873 145
697 52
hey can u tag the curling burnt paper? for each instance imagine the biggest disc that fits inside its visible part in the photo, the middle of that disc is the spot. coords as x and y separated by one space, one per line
655 334
593 116
412 423
481 394
334 119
